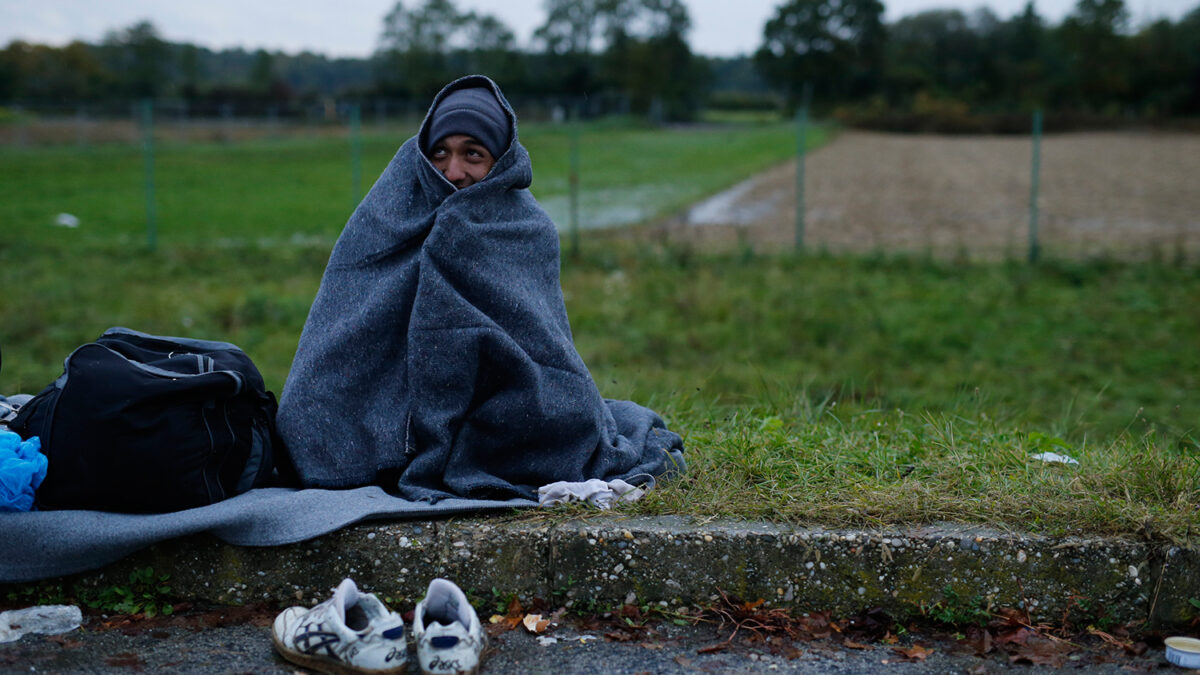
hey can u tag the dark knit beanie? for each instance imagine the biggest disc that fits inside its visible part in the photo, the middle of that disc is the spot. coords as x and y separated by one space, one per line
474 112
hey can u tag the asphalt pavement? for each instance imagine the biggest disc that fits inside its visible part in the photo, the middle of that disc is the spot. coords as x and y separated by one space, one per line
237 640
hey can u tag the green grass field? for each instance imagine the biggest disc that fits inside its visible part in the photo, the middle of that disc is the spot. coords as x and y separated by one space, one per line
864 391
272 190
836 390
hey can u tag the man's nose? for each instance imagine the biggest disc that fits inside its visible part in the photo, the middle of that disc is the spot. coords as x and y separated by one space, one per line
454 170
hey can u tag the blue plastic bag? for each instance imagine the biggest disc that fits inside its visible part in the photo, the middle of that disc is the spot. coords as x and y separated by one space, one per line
22 470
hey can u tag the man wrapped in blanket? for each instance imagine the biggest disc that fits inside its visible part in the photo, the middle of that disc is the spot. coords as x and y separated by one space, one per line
437 359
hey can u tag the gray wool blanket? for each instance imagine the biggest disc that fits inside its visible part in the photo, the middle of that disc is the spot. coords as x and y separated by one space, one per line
437 359
44 544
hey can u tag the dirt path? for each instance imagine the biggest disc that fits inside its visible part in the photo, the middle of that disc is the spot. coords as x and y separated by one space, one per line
1127 194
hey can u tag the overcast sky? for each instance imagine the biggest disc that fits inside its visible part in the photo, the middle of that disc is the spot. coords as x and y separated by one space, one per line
351 27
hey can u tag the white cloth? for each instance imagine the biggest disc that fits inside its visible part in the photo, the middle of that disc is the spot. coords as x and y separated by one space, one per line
1055 457
596 492
43 619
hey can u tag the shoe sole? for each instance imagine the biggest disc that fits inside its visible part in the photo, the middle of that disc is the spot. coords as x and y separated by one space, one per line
329 666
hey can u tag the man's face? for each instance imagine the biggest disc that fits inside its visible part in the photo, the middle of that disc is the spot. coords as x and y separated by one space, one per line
461 159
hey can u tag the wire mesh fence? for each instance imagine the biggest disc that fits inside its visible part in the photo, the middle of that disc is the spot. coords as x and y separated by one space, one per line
1088 194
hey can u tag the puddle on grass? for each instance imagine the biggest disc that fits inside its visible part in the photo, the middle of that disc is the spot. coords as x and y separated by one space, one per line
616 207
737 205
732 206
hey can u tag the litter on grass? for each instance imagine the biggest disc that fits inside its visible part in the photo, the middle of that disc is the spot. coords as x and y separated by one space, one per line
1055 457
66 220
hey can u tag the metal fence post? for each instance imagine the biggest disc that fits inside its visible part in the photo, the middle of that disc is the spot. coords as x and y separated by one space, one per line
1035 177
147 115
573 179
801 148
355 154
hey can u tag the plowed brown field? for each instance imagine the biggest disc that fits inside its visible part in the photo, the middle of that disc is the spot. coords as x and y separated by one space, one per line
1122 194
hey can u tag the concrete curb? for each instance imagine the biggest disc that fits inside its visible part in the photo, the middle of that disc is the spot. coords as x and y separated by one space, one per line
607 560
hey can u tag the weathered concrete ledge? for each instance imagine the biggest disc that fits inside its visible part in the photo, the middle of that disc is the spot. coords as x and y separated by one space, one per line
601 561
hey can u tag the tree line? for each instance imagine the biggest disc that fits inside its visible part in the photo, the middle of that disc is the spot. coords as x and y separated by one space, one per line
838 52
947 60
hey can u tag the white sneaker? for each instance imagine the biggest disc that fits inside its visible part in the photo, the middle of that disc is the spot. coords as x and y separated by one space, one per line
351 632
447 632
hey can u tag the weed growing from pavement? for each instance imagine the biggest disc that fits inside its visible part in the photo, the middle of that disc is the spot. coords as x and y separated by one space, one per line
958 611
145 593
51 592
142 593
1084 613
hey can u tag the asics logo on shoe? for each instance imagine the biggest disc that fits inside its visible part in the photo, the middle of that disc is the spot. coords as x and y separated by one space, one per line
437 663
312 640
395 655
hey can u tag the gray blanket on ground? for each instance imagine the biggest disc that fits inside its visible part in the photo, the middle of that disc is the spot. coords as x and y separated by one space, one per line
437 357
43 544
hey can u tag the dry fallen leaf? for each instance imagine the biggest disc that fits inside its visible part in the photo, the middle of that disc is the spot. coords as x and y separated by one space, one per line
534 623
501 624
514 607
851 644
814 626
1129 646
1009 616
979 641
1015 636
913 653
1042 651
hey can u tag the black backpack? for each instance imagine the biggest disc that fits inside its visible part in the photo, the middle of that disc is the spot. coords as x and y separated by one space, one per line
143 423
